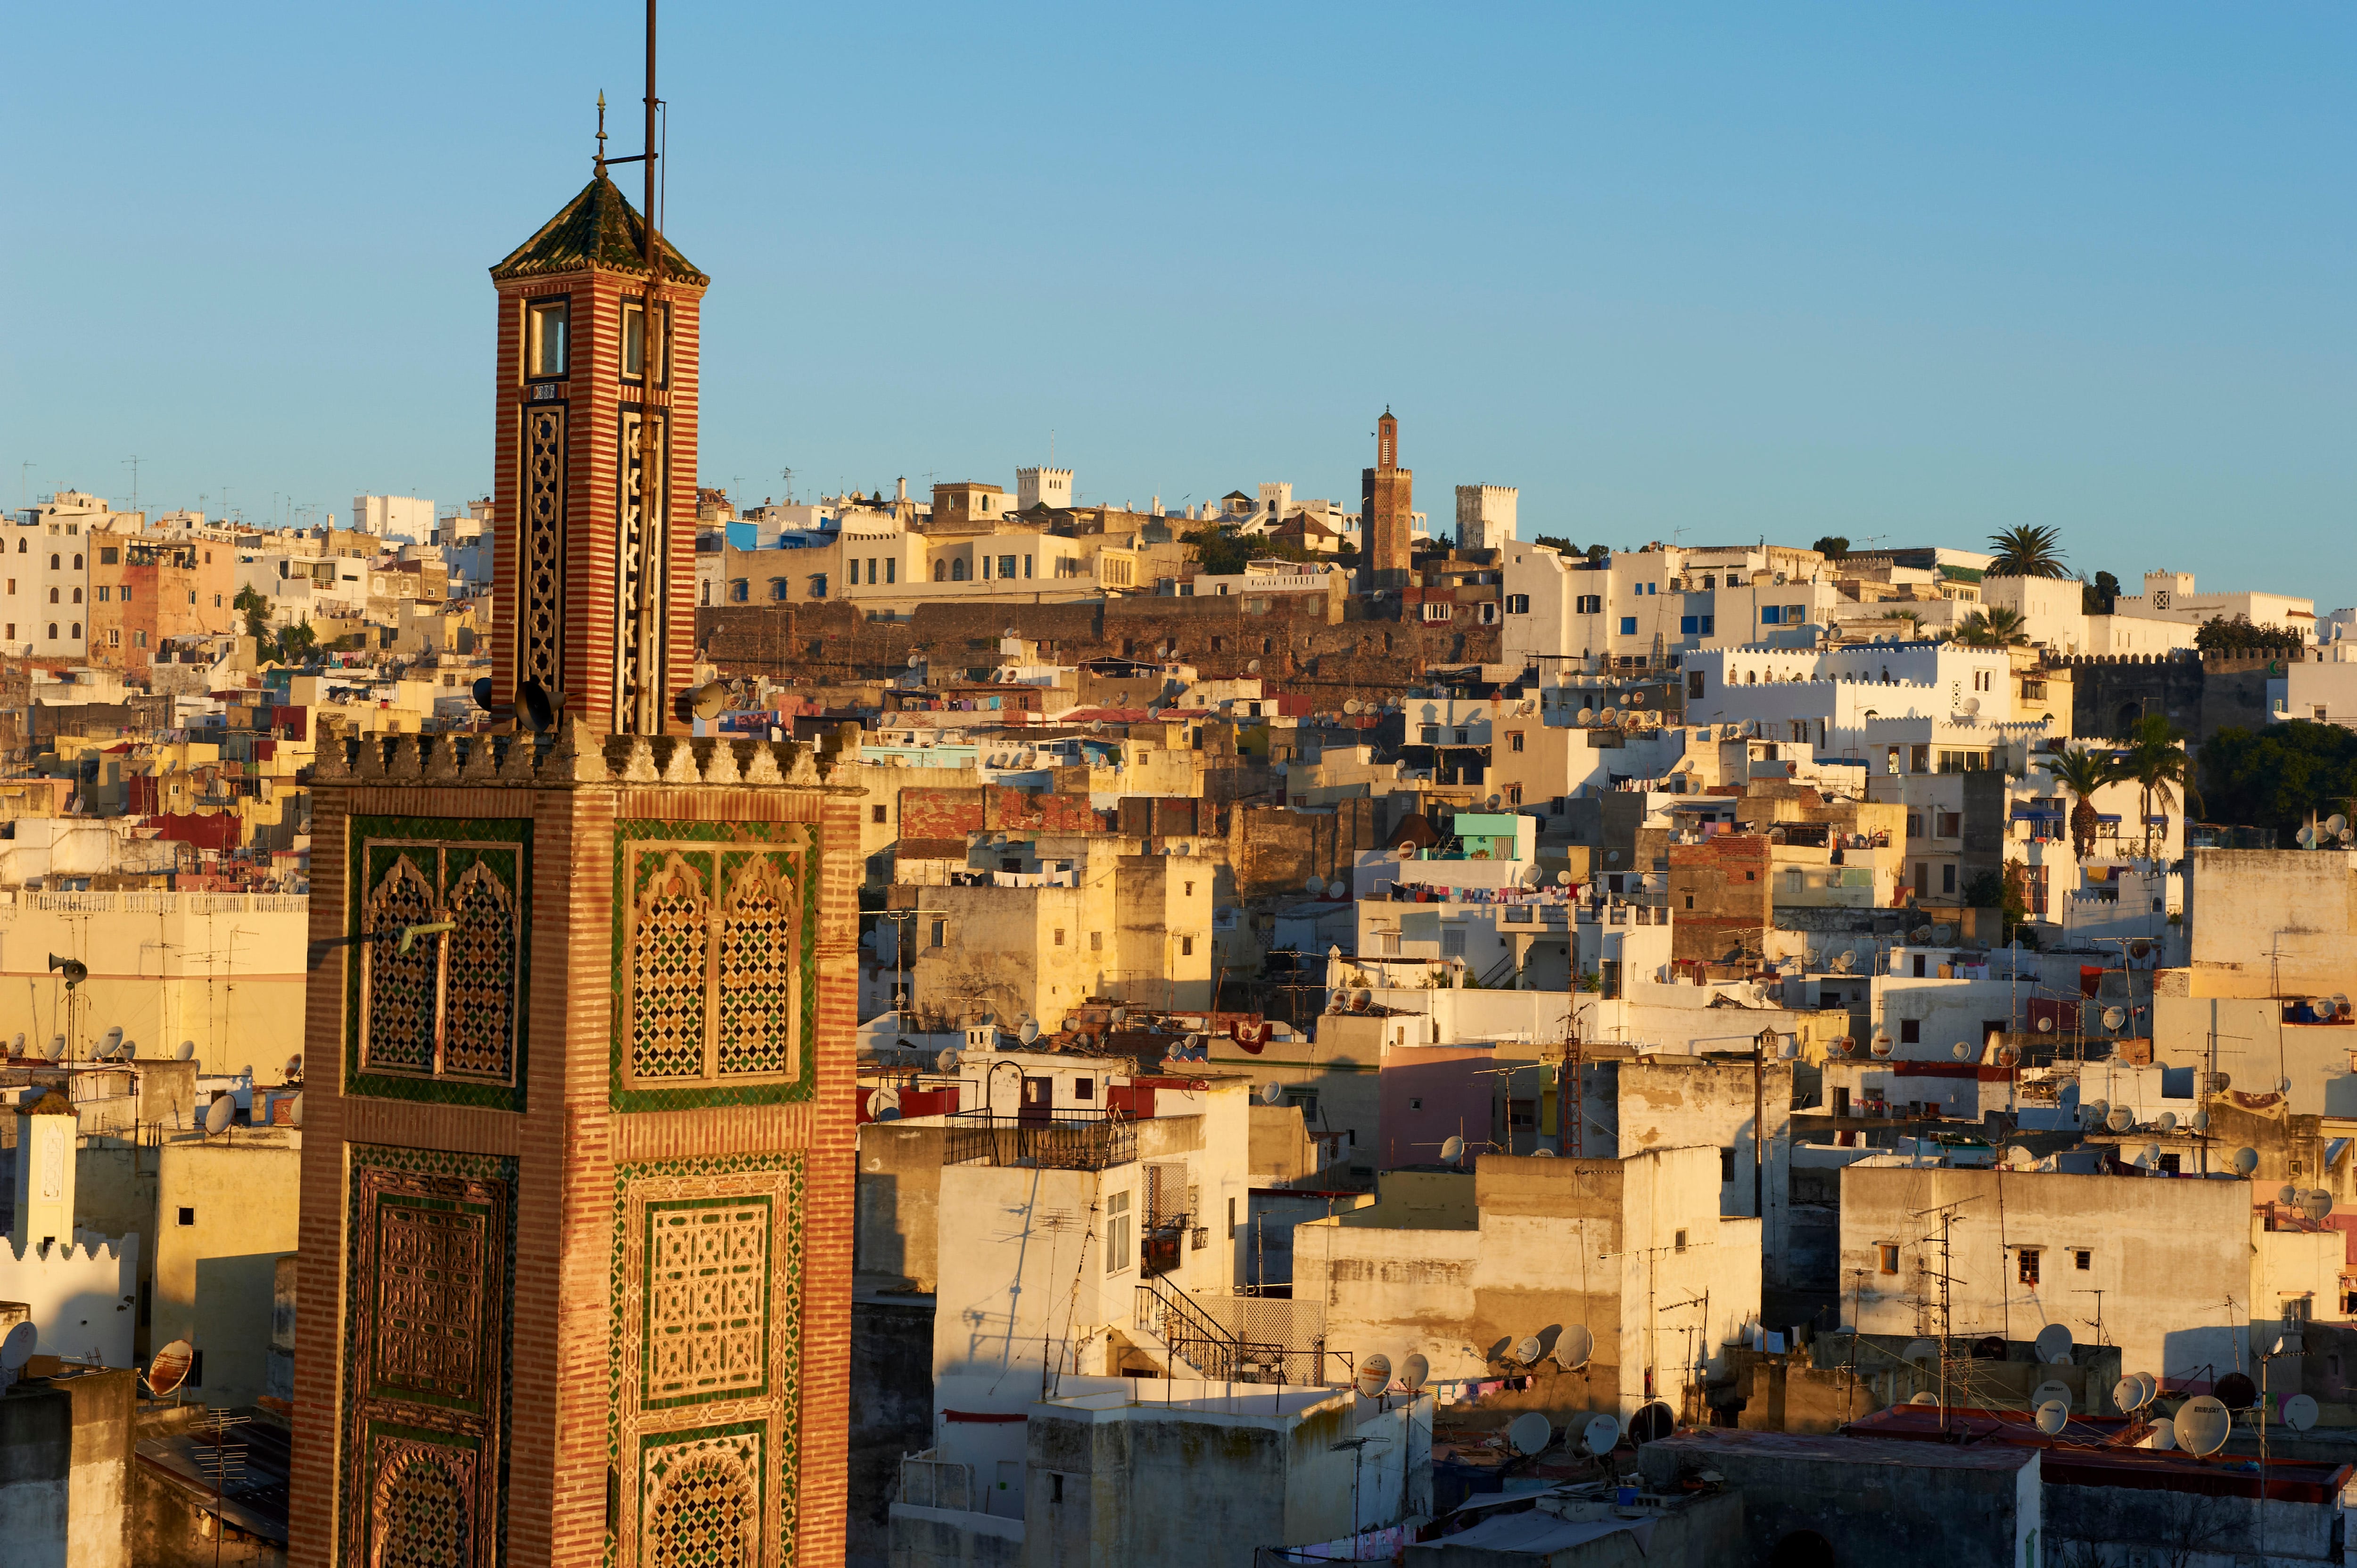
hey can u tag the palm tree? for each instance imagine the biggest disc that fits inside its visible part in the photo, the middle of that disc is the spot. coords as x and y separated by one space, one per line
2028 550
2082 772
2159 767
1994 626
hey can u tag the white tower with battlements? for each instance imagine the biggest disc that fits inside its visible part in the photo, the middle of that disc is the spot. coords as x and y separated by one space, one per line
1042 487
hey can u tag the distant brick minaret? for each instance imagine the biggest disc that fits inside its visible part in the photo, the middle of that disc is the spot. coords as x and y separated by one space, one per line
596 587
1386 504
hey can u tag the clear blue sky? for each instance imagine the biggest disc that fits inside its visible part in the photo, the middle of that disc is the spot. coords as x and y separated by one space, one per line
1703 272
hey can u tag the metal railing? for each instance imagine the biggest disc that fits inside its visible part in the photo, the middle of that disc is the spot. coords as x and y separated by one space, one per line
1072 1141
1219 1356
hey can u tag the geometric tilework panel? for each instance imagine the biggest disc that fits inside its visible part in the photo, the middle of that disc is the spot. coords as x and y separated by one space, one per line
430 1264
704 1363
441 1019
715 963
703 1500
422 1504
708 1297
543 556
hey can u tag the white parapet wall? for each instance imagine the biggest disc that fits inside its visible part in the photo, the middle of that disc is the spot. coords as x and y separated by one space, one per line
84 1294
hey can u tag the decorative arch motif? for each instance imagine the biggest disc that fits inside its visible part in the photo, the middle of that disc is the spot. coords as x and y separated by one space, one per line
419 1512
704 1503
402 990
480 1041
671 954
760 967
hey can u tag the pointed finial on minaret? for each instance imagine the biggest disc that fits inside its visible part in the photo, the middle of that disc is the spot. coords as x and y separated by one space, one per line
601 130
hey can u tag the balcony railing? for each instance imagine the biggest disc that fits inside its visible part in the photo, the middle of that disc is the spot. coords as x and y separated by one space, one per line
1071 1141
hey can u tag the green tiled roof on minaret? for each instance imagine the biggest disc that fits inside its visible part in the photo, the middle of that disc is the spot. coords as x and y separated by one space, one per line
599 229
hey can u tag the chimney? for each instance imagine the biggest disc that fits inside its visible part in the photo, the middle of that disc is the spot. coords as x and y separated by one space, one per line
904 490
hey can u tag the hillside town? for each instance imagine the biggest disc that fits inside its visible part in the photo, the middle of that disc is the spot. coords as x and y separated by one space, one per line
964 1023
1491 1029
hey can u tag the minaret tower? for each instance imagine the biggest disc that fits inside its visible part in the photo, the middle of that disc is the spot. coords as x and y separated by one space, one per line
595 468
1386 509
578 1129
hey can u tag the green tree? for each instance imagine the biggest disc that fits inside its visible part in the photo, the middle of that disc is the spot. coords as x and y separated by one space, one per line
2155 761
295 643
256 610
1558 544
1994 626
2082 772
2028 550
2275 778
2096 598
2219 635
1833 547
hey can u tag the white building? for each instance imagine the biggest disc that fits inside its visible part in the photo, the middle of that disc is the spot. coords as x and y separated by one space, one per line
45 574
1050 488
1485 516
2171 596
1637 610
387 516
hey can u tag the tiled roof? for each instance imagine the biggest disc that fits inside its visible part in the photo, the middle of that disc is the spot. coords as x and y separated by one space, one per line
600 229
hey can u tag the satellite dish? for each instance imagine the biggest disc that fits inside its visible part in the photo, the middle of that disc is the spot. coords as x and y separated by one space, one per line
2006 1056
218 1114
1495 800
187 1049
883 1104
1882 1046
1608 715
295 1113
1588 716
1574 1346
294 1068
1941 933
481 691
1529 1432
2052 1416
1312 884
109 1040
56 1047
1335 889
18 1348
1352 707
1120 1015
1970 705
2050 1392
2316 1203
2126 1394
1527 1350
1452 1149
2299 1413
2336 824
2114 1017
2120 1118
2096 1111
2053 1345
1919 1350
2150 1157
2283 1086
1562 879
1252 667
1601 1434
1028 1031
16 1048
946 1062
2287 1195
2165 1122
2203 1424
2046 1023
2246 1160
1374 1373
170 1366
1653 1421
2164 1433
2200 1122
1844 962
1927 1397
1962 1051
1270 1093
2235 1391
1414 1370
